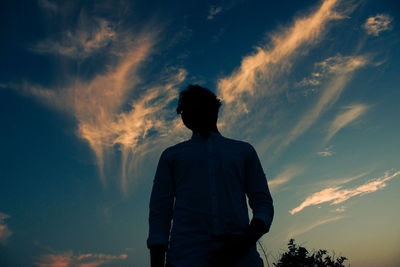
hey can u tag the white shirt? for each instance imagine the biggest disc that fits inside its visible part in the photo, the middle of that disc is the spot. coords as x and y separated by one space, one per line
201 184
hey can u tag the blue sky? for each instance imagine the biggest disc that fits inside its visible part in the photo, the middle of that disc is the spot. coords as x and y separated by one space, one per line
88 92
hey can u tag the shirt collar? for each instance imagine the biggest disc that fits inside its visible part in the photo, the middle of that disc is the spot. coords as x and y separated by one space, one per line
198 137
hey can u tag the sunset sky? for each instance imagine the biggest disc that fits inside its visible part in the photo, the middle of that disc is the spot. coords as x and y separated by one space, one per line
88 94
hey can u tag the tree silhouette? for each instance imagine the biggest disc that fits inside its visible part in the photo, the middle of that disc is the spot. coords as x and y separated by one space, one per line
298 256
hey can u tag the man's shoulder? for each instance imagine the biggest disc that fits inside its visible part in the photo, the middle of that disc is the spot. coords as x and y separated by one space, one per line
176 147
237 143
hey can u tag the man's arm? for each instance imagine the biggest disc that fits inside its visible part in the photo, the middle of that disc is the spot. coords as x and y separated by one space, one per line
257 191
161 205
260 202
157 255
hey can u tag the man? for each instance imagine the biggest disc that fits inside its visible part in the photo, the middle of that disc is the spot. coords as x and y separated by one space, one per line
201 185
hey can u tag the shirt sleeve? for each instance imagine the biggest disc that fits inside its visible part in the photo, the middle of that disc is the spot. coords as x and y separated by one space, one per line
257 190
161 204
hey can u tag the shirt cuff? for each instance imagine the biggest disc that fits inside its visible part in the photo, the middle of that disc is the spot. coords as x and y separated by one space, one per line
264 218
156 240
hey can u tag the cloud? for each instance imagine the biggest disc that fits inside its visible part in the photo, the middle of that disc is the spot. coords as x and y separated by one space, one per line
115 109
285 176
223 7
340 69
256 86
314 80
338 194
308 228
97 103
5 232
350 113
376 25
340 209
90 36
214 10
326 153
68 259
48 5
101 122
345 180
260 65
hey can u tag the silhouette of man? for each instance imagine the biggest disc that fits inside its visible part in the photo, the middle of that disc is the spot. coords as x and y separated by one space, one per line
201 185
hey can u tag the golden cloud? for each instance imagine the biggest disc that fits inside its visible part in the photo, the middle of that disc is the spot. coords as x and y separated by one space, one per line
337 194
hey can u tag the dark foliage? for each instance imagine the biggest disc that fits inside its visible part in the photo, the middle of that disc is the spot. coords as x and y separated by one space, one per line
298 256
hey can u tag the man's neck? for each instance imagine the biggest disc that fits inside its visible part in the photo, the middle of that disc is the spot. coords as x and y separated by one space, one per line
206 133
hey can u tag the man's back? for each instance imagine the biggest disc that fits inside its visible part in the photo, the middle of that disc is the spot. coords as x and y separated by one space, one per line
208 178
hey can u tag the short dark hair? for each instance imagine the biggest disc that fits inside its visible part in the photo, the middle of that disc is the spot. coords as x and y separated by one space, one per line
195 95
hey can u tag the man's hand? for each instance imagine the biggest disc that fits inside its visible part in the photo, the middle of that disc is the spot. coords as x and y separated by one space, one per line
236 246
230 253
157 255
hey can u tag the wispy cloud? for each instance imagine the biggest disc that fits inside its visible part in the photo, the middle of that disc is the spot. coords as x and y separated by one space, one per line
349 114
340 70
338 194
327 152
343 180
113 112
223 6
68 259
377 24
340 209
258 84
214 10
101 122
259 66
90 36
5 232
308 228
284 177
313 80
48 5
97 103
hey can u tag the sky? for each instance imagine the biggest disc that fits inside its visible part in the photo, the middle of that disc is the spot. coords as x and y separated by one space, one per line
88 93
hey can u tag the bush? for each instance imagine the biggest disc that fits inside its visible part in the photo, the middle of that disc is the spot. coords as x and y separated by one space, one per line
298 256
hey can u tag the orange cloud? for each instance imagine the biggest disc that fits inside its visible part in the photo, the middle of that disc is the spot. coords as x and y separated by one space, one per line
266 62
91 35
97 103
285 176
308 228
97 106
340 70
326 153
214 10
111 110
5 232
68 259
343 119
256 86
377 24
337 194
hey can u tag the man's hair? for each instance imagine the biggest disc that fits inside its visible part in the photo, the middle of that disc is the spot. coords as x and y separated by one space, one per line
195 95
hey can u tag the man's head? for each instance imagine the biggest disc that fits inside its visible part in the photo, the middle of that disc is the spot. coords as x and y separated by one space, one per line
199 108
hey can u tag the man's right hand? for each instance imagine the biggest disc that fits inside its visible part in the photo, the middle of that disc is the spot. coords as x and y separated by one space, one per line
230 253
157 255
236 246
